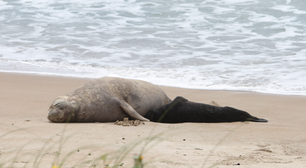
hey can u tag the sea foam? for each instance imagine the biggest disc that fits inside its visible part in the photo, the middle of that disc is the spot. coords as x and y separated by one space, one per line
247 45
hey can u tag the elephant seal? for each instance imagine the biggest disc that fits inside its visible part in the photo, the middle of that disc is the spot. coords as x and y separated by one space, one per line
181 110
106 100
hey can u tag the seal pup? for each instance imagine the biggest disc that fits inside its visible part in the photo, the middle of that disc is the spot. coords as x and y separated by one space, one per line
107 99
181 110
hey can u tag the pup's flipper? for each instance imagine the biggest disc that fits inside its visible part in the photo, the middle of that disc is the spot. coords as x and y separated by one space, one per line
255 119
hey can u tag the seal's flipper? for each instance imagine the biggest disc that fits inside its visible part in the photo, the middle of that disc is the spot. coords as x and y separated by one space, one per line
131 112
255 119
261 120
214 104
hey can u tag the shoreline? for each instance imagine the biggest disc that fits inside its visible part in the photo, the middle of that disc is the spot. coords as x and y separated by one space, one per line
89 78
278 143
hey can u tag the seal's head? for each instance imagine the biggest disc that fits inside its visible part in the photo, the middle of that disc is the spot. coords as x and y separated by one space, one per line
62 109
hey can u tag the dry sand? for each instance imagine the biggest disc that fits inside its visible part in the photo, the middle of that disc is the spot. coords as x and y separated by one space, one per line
29 139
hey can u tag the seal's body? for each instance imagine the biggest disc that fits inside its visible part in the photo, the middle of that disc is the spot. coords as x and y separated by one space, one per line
181 110
107 100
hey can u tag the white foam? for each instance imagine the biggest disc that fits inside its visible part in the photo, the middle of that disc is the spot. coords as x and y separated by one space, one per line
288 8
227 45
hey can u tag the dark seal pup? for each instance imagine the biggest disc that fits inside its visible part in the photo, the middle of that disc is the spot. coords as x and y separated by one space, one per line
181 110
107 100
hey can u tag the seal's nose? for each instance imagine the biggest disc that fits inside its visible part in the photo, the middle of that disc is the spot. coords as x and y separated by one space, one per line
55 116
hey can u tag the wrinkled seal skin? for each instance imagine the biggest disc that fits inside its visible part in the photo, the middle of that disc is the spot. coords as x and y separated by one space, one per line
181 110
107 100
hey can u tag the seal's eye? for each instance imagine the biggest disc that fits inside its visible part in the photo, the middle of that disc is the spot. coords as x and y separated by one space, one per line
60 105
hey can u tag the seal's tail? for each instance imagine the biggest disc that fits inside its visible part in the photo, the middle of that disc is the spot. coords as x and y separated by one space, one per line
255 119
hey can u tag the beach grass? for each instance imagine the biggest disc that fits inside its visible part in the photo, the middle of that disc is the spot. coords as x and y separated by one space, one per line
92 155
14 154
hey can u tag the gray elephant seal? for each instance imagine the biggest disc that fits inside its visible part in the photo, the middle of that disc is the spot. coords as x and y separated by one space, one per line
107 100
181 110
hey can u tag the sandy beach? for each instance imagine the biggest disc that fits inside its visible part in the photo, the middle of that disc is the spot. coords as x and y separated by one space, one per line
28 139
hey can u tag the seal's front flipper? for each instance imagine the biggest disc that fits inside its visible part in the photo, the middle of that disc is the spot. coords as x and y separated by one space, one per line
214 104
255 119
131 112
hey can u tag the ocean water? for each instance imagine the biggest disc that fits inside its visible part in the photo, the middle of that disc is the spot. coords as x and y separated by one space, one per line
247 45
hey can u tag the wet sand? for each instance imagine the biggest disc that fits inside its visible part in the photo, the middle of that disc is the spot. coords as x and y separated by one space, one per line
28 139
